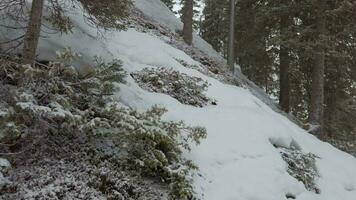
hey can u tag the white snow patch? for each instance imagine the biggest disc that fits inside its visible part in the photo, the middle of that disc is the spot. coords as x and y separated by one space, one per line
2 113
4 164
3 181
32 107
159 12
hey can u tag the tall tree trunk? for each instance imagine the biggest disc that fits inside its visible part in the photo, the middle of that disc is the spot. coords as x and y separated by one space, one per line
316 115
231 46
188 21
33 32
284 82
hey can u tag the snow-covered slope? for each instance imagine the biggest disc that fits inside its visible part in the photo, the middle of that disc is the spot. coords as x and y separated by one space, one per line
157 11
237 161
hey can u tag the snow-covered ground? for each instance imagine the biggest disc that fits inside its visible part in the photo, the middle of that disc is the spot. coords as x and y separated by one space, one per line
4 166
237 161
157 11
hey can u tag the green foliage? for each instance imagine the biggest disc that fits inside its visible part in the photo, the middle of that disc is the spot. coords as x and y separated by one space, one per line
107 14
57 17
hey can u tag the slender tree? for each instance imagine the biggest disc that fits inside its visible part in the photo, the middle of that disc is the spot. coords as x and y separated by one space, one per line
284 62
188 21
316 115
231 47
33 32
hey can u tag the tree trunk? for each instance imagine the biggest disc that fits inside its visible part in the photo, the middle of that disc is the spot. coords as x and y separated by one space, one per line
33 32
316 115
284 82
231 46
188 22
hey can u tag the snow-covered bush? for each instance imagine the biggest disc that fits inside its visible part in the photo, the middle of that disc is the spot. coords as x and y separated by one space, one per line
154 146
65 167
186 89
348 146
39 98
209 69
185 64
302 167
57 100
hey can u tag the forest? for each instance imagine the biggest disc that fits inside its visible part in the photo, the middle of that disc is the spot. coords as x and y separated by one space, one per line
301 52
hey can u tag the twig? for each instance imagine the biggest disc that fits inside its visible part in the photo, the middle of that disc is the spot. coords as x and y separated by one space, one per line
12 40
12 154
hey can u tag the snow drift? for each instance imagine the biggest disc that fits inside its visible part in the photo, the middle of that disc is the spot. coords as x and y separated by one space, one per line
238 160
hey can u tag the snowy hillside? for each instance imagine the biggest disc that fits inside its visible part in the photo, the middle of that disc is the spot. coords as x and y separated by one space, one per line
240 159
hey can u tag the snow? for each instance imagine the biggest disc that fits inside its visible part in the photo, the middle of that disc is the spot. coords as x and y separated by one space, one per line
166 18
238 160
2 113
3 181
32 107
4 166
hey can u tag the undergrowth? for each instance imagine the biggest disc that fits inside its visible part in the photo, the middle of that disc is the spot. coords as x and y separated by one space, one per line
55 99
186 89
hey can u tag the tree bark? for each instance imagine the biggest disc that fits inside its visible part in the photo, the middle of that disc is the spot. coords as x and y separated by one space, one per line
231 46
316 115
188 21
33 32
284 59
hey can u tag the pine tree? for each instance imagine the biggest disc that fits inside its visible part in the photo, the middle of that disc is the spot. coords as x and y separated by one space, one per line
316 115
215 24
197 17
231 46
257 59
284 59
188 15
340 73
33 32
281 39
